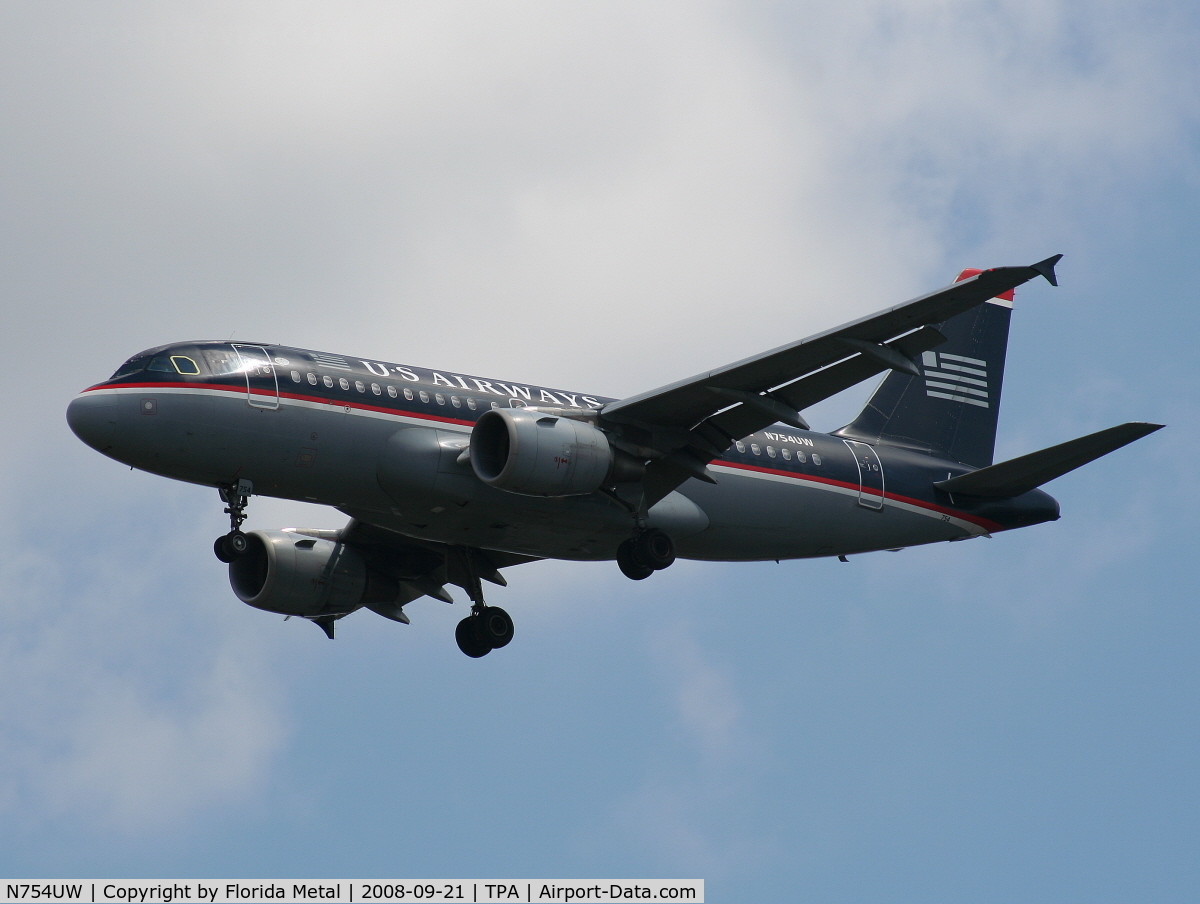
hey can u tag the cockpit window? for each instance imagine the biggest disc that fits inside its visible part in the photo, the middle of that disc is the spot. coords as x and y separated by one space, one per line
174 364
134 365
222 361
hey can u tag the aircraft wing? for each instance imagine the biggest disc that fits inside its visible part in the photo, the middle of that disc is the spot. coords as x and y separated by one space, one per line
423 567
687 424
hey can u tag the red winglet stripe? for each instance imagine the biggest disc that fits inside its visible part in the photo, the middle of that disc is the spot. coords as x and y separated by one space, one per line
971 271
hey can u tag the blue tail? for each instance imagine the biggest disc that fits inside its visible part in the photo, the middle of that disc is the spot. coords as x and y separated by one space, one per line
951 410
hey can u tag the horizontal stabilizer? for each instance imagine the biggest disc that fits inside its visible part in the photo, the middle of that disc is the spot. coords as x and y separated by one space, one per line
1020 475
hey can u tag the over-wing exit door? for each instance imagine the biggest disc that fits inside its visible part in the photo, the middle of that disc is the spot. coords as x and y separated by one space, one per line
870 475
262 386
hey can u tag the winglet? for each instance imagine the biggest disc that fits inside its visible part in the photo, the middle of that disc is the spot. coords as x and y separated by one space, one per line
1046 268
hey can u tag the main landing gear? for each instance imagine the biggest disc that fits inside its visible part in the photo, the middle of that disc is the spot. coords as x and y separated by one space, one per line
487 628
645 552
234 544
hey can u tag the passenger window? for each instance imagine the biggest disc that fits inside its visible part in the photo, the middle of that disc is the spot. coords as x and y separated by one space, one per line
375 389
471 404
495 404
344 383
185 365
360 385
455 401
312 378
392 391
741 446
441 399
800 458
295 376
771 451
161 365
424 397
816 459
408 393
787 454
328 380
754 448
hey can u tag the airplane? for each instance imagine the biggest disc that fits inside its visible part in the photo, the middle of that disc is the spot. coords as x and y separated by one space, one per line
447 478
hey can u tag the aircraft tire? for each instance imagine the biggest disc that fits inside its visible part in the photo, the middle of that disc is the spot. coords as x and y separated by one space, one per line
631 566
237 543
470 639
495 626
222 550
655 548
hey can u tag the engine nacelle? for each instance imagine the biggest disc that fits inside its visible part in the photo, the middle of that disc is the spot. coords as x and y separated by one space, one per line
294 574
538 454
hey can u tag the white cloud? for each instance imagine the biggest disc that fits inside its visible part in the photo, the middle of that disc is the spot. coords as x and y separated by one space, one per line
133 695
600 197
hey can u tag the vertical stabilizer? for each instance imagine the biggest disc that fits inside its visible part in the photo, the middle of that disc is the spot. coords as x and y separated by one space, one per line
952 408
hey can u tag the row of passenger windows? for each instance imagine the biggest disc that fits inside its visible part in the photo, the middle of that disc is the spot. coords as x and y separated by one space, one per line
424 396
376 389
785 452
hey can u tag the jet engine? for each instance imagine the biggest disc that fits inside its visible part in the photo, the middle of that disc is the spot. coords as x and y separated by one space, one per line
294 574
535 453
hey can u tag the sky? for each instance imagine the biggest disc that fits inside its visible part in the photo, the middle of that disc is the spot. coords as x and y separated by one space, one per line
607 197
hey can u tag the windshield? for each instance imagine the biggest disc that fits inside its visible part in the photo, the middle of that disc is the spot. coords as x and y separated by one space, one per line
134 365
181 360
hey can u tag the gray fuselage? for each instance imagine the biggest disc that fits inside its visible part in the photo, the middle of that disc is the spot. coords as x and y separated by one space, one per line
383 443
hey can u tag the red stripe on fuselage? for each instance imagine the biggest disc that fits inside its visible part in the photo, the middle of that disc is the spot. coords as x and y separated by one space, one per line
333 403
989 526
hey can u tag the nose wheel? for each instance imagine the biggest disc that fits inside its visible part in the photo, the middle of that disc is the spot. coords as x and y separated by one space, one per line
645 553
234 544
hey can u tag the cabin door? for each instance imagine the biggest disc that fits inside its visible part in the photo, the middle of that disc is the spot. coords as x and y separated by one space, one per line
262 385
870 475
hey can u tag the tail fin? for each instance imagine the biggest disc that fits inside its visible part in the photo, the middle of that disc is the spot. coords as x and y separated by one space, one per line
952 408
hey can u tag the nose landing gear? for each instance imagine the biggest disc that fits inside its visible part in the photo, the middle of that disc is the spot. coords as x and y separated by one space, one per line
644 553
234 544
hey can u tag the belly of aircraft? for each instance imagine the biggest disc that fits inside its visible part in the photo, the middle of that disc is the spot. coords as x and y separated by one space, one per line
330 456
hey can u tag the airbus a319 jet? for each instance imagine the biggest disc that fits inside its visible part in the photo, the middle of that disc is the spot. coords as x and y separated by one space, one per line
448 479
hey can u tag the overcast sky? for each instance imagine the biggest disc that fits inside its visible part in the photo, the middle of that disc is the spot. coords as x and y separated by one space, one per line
607 197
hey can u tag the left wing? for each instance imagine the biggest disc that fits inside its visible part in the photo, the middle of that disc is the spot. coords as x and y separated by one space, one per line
683 426
424 567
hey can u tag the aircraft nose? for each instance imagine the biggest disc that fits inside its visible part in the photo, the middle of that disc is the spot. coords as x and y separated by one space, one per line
92 416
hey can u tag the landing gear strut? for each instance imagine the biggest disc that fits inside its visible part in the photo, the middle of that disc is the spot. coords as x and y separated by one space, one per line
644 553
234 544
487 628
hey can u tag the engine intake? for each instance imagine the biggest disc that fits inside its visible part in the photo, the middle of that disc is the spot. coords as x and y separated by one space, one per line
294 574
533 453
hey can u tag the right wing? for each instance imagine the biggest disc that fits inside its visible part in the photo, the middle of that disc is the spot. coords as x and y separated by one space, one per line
683 426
